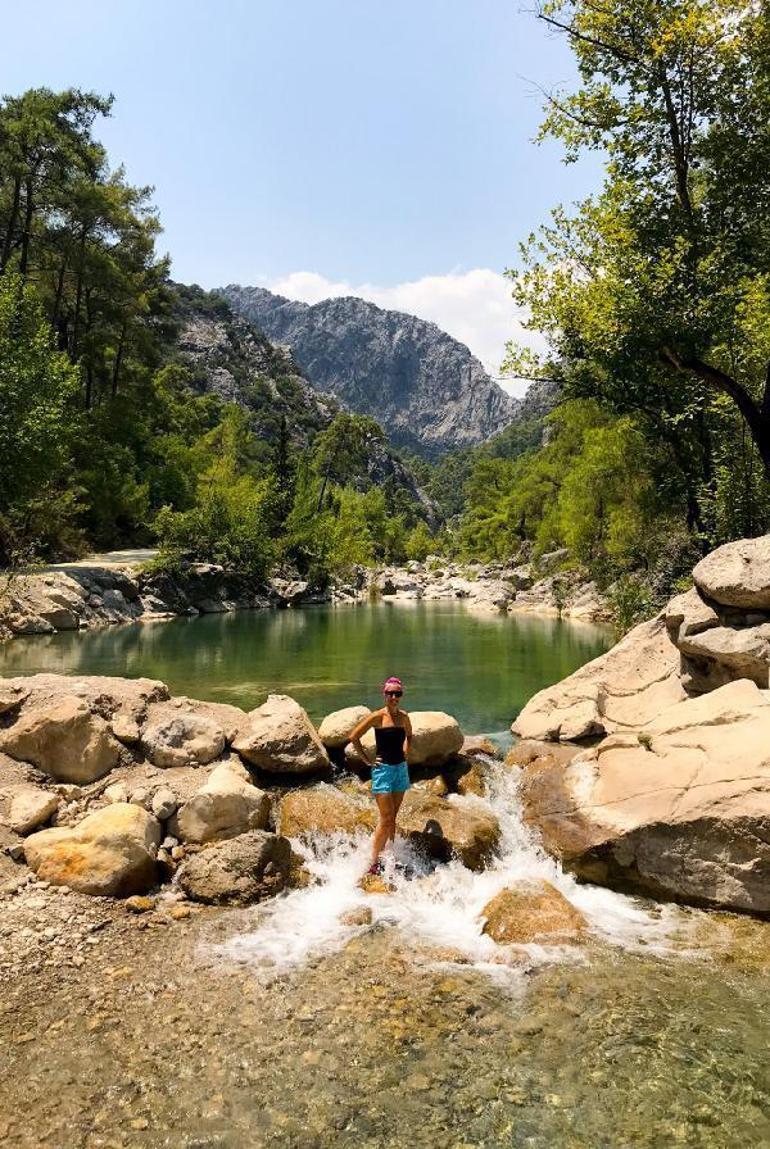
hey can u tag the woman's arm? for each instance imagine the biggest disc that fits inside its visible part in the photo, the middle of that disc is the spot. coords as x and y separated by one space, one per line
408 739
358 731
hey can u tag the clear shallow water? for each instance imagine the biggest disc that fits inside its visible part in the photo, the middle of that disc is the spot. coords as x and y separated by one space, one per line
479 666
416 1030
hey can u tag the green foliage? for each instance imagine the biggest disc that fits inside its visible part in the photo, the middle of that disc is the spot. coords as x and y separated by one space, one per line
37 384
654 294
419 543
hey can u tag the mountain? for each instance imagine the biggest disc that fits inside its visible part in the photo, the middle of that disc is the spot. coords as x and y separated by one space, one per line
226 356
425 388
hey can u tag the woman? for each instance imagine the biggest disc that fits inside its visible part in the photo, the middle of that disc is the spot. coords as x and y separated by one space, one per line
390 776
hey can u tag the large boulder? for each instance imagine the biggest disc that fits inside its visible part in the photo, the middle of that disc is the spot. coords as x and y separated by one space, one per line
226 805
462 828
280 738
181 733
65 740
532 912
108 697
679 809
324 809
240 870
110 853
335 729
737 574
436 739
724 654
621 689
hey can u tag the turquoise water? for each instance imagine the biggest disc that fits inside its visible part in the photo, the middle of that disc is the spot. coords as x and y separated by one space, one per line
481 667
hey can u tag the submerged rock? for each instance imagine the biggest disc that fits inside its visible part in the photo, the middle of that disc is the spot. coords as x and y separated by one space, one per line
111 852
245 869
280 738
532 912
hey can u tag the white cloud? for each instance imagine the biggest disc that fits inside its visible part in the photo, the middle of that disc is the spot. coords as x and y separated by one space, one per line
473 306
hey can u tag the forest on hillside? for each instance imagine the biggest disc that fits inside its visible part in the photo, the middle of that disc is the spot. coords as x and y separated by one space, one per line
653 295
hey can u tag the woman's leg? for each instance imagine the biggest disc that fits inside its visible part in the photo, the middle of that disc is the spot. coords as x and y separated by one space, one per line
398 798
386 823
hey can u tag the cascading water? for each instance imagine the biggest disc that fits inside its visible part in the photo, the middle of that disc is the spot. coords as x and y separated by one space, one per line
438 906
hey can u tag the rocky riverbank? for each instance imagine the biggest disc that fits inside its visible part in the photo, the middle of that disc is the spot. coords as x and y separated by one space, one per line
673 797
81 596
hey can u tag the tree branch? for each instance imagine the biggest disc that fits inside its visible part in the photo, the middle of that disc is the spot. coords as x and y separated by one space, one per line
720 380
572 32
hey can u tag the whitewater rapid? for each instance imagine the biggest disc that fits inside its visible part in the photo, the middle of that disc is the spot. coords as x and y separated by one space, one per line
439 906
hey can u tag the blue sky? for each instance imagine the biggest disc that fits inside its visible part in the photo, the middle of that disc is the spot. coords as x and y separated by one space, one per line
381 147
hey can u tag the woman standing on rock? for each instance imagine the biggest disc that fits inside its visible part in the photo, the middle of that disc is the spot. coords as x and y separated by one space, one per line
390 775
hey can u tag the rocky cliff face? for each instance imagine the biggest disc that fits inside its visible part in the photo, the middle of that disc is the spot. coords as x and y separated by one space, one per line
230 358
424 387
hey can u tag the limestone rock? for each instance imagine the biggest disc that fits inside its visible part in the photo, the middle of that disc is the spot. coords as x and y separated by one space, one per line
678 810
164 803
723 654
11 695
737 574
623 688
446 828
105 696
230 718
28 807
530 750
179 733
227 804
435 785
471 781
110 853
64 740
280 738
334 730
243 869
532 912
324 809
436 739
688 614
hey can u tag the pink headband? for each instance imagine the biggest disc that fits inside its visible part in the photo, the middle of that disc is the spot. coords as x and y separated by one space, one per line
392 684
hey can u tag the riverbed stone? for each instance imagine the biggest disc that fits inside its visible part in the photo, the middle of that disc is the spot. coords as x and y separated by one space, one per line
532 912
178 733
240 870
737 574
280 738
335 728
458 827
226 805
110 853
722 654
325 809
64 740
26 808
678 810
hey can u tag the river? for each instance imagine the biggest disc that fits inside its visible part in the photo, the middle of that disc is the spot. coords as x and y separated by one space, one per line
479 666
412 1029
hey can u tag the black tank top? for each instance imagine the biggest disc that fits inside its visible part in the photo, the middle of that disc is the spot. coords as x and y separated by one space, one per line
390 744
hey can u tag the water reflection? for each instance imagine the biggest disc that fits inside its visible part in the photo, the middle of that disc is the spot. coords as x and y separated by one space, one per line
481 667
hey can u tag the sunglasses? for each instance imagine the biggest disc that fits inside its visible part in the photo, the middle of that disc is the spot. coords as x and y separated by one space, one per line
394 693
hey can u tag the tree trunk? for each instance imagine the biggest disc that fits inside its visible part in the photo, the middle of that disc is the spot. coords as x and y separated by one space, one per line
78 293
8 241
118 361
26 237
